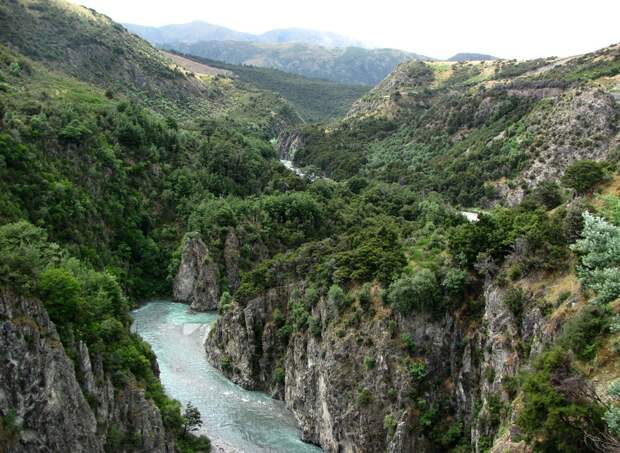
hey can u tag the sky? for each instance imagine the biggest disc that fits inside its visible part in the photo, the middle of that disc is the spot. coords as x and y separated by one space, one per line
507 29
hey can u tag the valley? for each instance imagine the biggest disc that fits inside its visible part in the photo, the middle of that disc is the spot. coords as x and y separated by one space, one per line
428 265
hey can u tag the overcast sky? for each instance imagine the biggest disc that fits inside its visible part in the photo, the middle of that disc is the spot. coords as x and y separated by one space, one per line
509 29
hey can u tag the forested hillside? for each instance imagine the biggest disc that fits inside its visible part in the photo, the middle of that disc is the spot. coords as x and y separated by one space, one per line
478 132
348 65
314 99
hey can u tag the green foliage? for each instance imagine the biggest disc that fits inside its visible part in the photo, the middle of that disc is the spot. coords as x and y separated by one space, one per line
193 444
418 371
612 416
584 175
389 424
583 333
375 253
408 342
314 99
10 429
610 209
61 292
364 397
336 297
599 251
417 292
551 420
192 420
279 374
369 363
225 302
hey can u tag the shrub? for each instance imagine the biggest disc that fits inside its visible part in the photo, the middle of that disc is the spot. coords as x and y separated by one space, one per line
278 375
369 362
415 292
60 292
418 371
389 424
408 342
599 250
363 396
612 416
582 334
584 175
225 301
551 420
336 296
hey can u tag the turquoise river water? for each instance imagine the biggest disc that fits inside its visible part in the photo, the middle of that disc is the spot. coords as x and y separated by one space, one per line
235 419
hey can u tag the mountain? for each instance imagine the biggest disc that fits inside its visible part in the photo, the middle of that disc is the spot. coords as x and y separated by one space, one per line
188 33
470 56
202 31
350 65
480 132
314 99
305 36
309 53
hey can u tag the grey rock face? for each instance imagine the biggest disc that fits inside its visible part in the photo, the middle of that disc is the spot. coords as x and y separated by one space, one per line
324 374
39 384
197 279
287 145
232 255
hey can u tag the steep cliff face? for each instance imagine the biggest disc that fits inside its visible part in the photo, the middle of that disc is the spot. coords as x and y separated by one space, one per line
347 378
49 408
197 279
361 380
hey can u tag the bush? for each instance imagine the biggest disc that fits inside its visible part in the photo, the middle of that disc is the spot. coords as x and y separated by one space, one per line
419 291
60 292
336 297
418 371
389 424
551 420
369 362
599 250
584 175
363 396
583 334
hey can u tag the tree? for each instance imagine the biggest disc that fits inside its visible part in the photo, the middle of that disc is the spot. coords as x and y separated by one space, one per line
192 419
599 248
415 292
584 175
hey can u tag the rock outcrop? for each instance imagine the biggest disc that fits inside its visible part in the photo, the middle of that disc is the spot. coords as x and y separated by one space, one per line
197 281
335 381
348 378
52 405
287 144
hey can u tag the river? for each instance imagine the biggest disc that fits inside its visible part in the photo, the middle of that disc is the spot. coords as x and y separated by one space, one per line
234 419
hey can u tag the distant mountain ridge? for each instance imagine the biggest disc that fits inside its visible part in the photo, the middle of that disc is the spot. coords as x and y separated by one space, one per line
349 65
472 56
197 31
